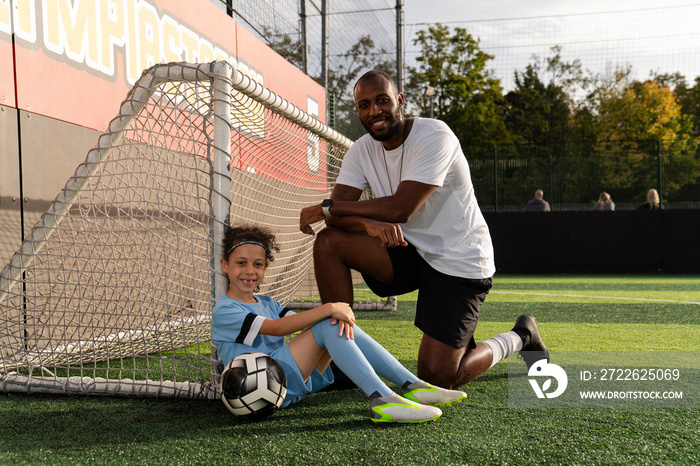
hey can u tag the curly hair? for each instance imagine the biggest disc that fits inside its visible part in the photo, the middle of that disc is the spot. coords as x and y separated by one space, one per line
239 234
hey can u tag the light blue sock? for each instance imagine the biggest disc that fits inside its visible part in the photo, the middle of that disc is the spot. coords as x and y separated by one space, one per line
382 361
349 358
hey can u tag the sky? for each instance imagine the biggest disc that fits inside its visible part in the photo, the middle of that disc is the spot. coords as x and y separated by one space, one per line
446 11
650 36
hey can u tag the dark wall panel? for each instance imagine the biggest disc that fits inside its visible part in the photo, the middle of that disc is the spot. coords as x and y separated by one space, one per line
681 241
596 242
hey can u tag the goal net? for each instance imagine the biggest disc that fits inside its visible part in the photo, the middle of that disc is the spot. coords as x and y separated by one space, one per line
112 291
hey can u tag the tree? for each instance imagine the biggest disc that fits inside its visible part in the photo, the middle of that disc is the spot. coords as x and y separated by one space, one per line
689 99
644 111
467 96
536 113
568 76
682 170
345 70
348 67
289 48
630 117
539 112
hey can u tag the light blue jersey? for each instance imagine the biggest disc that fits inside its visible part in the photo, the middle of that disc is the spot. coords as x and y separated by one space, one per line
235 329
235 326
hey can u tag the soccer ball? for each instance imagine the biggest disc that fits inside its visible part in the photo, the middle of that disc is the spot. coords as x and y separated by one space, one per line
253 386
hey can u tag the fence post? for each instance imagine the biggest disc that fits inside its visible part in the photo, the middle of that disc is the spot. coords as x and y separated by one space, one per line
551 181
495 178
399 45
659 169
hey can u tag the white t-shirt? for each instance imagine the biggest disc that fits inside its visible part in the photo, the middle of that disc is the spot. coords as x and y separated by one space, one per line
448 230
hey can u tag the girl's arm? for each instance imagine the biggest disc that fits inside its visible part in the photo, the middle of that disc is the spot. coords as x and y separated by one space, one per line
287 325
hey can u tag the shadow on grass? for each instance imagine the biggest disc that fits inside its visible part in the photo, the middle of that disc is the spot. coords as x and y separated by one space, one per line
56 422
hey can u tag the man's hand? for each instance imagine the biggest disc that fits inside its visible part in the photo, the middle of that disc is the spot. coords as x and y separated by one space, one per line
309 216
390 234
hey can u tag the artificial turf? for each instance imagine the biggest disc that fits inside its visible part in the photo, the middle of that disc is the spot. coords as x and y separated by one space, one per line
575 313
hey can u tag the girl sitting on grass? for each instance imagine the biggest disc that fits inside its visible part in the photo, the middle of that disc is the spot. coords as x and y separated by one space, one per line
243 321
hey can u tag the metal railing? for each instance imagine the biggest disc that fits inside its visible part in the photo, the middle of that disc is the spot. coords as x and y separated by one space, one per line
572 176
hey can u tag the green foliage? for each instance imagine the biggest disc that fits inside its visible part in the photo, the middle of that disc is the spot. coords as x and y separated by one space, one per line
357 60
468 96
361 57
539 112
291 49
643 111
579 135
573 175
554 101
689 99
557 112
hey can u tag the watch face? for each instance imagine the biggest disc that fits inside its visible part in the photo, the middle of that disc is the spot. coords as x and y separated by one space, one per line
326 203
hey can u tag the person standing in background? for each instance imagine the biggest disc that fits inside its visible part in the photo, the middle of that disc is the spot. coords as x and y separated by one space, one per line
537 204
605 203
653 202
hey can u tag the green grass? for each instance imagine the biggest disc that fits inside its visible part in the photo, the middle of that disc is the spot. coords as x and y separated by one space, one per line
576 313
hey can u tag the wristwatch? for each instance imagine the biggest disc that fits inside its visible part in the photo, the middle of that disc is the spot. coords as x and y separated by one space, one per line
326 206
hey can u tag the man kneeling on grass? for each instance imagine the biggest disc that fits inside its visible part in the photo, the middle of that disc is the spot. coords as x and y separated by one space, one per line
422 231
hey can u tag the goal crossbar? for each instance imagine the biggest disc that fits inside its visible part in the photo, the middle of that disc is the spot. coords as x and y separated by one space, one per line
112 290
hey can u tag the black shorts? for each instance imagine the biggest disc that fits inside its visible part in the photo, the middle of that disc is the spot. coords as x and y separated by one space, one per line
447 308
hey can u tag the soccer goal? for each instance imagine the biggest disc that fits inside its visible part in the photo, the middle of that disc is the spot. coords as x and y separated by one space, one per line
112 291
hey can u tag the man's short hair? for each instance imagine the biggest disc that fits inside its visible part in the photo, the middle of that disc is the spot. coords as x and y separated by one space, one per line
376 74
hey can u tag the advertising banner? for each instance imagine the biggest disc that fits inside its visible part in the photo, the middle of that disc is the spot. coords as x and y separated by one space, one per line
75 60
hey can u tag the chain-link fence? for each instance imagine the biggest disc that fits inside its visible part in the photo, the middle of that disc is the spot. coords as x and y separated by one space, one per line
334 42
329 39
661 38
573 176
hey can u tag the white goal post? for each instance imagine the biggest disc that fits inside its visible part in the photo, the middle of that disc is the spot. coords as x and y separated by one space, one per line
112 291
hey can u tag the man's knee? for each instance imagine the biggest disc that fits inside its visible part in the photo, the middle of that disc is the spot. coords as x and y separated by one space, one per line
452 367
439 363
436 373
327 241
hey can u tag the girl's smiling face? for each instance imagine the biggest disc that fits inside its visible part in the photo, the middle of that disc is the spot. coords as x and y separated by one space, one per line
245 268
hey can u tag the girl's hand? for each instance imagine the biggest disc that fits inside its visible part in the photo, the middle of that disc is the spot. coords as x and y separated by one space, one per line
346 327
341 311
341 314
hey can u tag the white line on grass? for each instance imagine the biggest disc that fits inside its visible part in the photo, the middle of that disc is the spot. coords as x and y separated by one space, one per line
595 297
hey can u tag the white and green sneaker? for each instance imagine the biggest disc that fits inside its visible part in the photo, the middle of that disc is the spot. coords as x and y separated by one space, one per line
394 408
424 393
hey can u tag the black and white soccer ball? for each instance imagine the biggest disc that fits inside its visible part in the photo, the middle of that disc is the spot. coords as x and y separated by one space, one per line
253 386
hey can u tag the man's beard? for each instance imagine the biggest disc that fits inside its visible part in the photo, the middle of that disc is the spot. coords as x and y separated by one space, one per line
394 121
